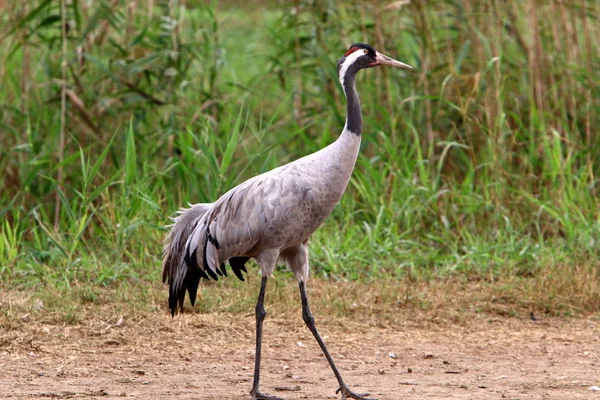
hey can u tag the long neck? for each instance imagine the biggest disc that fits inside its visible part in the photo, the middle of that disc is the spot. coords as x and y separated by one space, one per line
335 162
353 114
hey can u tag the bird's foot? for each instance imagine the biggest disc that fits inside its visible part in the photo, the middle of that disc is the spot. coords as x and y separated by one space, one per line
260 396
347 393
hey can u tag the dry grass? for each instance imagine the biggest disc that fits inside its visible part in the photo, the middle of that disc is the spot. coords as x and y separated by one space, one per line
572 291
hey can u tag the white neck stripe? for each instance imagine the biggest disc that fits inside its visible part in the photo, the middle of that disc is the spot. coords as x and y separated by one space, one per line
351 59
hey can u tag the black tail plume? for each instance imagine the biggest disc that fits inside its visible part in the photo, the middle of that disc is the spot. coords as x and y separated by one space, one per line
176 271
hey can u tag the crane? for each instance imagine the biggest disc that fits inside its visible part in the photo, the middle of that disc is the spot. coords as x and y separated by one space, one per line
270 218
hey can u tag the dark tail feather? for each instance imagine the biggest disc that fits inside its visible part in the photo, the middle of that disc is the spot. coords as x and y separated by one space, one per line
223 269
192 282
176 271
237 266
208 270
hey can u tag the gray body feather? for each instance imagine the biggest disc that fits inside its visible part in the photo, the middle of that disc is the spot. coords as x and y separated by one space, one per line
268 217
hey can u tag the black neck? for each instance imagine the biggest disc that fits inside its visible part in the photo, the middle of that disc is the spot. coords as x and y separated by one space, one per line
353 116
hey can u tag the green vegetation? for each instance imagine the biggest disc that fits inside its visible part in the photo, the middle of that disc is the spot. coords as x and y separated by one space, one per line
480 165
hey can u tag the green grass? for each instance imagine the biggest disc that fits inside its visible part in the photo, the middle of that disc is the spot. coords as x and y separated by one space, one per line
480 165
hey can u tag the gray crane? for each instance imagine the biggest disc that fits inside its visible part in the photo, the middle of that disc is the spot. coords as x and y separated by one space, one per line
270 217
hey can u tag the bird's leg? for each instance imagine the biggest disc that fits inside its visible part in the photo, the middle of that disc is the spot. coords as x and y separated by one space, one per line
310 322
260 317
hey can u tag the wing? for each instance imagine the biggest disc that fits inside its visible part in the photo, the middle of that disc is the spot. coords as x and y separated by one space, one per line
256 214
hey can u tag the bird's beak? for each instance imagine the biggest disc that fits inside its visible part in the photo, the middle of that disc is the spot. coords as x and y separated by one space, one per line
382 59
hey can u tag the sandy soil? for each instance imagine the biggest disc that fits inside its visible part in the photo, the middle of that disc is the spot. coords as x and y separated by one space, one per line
210 356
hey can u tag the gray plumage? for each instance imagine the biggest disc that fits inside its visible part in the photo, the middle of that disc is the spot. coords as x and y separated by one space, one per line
270 217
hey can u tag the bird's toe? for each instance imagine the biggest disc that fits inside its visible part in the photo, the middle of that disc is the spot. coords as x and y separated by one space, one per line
260 396
347 393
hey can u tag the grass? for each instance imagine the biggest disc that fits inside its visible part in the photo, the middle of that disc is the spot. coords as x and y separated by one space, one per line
478 167
558 293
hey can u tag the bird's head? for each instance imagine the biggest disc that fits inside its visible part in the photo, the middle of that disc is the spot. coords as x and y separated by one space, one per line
360 56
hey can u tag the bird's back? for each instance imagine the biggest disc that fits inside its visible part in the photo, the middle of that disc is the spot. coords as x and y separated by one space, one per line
277 209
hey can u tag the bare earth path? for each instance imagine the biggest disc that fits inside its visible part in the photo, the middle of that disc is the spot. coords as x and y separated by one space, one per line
210 356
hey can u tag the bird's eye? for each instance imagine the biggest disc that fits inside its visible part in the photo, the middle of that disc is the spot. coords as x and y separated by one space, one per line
366 51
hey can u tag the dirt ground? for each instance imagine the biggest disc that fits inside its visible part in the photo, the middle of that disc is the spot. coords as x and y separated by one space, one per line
210 356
